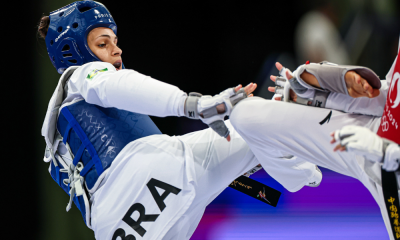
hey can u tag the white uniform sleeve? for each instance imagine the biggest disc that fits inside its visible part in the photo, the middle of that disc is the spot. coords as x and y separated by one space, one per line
101 84
363 105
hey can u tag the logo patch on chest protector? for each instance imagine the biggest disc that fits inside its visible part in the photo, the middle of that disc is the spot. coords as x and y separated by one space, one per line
95 72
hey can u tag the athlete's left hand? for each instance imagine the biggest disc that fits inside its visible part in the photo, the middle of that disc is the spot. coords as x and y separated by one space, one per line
249 89
360 141
222 110
212 109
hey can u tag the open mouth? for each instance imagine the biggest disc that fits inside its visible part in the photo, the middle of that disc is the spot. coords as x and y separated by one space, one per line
117 65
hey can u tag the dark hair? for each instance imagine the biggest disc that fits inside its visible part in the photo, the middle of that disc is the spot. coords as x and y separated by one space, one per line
43 26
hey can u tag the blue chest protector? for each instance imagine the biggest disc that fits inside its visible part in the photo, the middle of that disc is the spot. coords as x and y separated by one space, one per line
95 136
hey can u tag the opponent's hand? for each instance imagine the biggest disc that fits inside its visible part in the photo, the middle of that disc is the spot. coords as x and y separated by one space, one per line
293 95
358 86
360 141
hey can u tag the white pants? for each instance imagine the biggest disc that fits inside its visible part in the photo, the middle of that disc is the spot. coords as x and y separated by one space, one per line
200 164
295 130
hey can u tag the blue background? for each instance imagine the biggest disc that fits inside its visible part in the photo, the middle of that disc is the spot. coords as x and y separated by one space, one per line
340 208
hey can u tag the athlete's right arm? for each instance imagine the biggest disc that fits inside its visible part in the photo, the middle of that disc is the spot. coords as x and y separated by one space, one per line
101 84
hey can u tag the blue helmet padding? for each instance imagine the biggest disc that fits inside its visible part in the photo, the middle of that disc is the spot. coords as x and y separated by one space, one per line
66 39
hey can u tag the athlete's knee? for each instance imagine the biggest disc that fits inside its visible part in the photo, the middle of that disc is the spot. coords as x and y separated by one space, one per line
240 113
248 114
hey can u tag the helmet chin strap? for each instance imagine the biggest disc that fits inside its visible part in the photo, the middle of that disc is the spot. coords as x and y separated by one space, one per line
123 66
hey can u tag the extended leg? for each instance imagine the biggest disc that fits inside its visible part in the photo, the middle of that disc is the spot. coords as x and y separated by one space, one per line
295 130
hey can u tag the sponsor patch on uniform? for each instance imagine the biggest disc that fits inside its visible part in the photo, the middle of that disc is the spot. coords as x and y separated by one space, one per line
95 72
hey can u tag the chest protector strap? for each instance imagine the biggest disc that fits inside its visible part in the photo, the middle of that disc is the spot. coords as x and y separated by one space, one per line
86 144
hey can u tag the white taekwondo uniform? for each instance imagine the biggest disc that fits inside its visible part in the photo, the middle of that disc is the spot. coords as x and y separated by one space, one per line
193 169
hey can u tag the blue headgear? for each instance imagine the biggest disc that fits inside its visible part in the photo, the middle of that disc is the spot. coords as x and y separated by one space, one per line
66 39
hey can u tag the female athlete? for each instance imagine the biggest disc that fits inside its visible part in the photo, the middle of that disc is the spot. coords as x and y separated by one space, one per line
127 179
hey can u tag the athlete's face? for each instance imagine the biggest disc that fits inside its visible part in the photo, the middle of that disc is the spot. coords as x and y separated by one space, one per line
103 43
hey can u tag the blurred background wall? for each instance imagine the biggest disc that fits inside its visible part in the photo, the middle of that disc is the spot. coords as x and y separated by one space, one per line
204 47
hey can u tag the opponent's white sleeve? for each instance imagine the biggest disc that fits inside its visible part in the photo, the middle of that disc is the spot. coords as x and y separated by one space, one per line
363 105
101 84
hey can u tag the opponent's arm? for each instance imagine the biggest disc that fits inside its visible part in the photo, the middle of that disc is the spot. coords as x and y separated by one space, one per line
305 89
364 142
365 106
354 81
